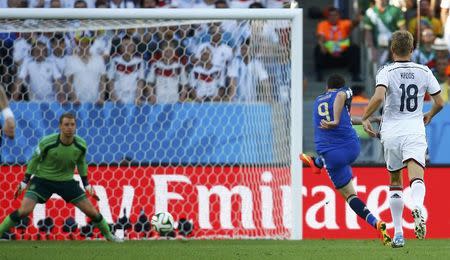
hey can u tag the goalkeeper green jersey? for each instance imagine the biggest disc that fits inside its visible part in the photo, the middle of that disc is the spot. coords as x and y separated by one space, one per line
55 161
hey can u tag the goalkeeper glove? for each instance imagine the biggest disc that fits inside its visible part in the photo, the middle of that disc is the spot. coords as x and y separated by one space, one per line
91 192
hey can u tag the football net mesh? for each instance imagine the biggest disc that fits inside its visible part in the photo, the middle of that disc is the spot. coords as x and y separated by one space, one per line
189 117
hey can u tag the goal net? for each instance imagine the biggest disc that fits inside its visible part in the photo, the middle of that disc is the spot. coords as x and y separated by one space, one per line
192 116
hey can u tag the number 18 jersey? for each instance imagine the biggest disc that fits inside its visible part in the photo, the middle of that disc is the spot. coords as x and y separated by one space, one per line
406 84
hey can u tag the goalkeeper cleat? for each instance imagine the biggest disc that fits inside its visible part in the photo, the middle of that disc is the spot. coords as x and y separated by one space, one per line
309 161
381 226
420 228
115 239
399 241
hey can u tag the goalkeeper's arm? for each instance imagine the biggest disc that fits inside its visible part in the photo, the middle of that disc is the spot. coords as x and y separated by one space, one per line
31 168
82 171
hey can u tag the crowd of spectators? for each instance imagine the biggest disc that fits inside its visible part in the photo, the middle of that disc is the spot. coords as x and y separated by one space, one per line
160 64
378 19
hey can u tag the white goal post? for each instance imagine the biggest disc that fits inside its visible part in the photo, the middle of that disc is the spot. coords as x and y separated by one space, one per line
295 16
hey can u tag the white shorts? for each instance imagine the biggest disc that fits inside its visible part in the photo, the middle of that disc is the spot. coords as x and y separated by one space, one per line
398 150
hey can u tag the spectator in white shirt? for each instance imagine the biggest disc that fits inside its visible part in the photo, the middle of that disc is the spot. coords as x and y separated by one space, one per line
206 80
58 55
40 75
241 3
183 3
126 74
204 4
249 78
86 74
167 77
38 3
121 4
102 44
59 59
222 53
22 48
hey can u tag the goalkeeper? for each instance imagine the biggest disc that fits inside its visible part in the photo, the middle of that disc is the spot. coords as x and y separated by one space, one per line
53 164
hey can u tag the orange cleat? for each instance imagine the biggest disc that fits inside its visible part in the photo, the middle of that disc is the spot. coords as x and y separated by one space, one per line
309 161
385 238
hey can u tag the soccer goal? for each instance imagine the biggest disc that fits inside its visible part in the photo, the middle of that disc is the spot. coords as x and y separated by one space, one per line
193 112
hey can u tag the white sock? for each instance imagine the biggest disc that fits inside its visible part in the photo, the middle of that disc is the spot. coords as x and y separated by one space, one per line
418 193
396 204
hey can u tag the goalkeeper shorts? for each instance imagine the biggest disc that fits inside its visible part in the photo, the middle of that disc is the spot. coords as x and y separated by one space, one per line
41 190
400 149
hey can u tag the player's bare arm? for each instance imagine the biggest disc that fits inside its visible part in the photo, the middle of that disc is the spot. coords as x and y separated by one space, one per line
102 90
71 91
58 87
184 93
338 105
444 15
438 104
140 92
151 98
10 124
231 90
266 86
17 86
220 95
357 120
374 104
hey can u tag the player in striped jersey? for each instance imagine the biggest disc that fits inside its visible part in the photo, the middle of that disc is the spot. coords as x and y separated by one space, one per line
402 86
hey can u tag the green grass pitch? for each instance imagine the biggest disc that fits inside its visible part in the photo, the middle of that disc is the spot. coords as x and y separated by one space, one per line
224 249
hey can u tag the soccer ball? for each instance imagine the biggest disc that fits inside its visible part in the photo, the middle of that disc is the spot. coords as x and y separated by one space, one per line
162 222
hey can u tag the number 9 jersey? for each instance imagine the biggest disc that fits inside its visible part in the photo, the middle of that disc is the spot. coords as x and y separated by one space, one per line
406 84
330 139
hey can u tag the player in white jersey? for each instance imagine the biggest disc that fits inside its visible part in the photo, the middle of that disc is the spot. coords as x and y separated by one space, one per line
402 85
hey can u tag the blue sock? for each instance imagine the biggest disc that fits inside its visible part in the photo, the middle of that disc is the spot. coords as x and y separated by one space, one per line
361 210
318 162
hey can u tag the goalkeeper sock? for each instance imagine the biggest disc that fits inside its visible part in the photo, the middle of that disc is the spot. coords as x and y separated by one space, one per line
418 193
396 204
361 210
9 222
101 224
